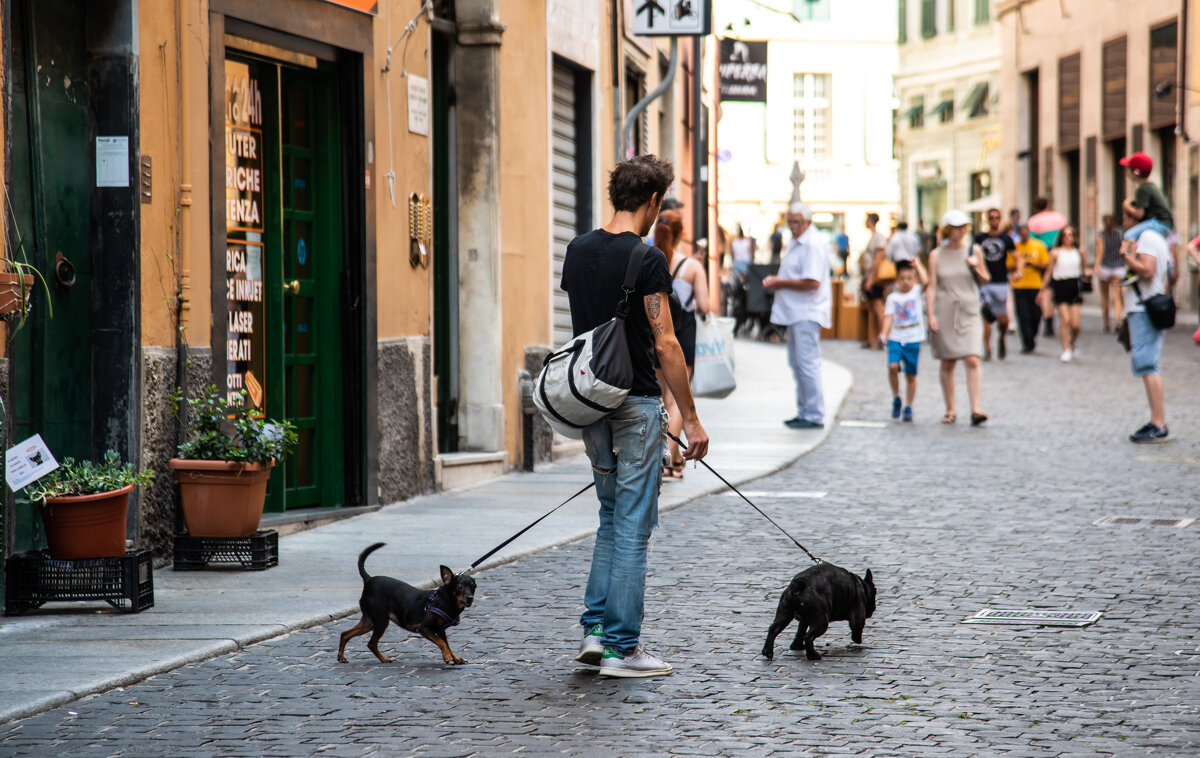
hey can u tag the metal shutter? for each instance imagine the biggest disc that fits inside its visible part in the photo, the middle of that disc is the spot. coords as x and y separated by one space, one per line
1113 118
564 192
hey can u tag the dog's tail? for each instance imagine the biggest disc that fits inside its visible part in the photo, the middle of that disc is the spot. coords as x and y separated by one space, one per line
362 560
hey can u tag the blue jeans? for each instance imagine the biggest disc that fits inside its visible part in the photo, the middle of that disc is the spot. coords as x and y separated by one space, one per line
625 449
1150 224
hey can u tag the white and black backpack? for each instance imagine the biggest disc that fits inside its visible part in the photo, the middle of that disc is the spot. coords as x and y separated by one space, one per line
589 377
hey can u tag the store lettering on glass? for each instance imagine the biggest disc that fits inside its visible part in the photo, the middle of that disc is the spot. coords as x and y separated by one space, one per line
245 352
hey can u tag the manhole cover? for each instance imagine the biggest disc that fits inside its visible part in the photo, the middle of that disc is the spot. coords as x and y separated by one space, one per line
1176 523
1029 616
856 424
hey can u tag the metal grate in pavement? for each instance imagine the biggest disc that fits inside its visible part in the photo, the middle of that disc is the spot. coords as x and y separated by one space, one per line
767 494
1030 616
1176 523
857 424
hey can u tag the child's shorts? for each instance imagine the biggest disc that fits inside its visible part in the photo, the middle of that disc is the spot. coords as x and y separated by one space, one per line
906 354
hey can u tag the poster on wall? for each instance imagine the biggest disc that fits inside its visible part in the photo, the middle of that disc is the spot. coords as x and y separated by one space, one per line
245 343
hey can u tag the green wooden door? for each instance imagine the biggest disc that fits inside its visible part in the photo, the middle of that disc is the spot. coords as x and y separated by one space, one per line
49 209
306 387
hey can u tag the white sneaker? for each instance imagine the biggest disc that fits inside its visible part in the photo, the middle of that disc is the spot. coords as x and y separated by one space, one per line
1074 353
637 663
592 647
1065 357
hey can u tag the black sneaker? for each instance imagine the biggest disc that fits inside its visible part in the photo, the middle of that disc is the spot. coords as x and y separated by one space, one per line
1149 433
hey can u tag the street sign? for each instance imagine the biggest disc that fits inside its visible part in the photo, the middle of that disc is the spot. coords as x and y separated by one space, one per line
671 18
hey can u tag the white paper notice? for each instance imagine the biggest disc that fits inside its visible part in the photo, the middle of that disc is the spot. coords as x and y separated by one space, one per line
27 462
112 161
418 104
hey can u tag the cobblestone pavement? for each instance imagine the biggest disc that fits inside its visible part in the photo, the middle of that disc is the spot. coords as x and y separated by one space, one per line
951 520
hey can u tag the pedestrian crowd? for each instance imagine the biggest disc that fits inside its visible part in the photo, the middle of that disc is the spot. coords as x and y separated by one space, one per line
963 296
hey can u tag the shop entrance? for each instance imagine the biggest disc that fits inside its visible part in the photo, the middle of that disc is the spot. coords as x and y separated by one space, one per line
284 348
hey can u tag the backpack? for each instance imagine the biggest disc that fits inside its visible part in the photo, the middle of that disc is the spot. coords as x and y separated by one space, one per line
589 377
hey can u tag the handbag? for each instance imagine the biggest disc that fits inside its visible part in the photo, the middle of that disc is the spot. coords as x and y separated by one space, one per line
1160 308
589 377
887 271
713 372
1085 283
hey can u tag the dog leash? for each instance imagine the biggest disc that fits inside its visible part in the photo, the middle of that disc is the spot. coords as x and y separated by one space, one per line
683 445
504 544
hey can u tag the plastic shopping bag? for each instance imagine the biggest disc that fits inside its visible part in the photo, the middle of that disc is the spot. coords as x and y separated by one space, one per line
713 375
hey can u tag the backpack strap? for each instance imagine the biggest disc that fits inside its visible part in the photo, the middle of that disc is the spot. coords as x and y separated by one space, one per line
631 275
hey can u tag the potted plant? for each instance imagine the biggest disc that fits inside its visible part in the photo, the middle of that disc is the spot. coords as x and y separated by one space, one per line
17 279
225 462
84 506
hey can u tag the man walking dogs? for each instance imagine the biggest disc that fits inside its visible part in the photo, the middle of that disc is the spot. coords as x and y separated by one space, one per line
804 303
626 447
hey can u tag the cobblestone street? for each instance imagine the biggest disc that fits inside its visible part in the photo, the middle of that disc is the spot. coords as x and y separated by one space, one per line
951 519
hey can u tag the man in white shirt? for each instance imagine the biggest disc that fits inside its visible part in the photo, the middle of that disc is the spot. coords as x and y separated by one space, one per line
904 245
804 304
1148 265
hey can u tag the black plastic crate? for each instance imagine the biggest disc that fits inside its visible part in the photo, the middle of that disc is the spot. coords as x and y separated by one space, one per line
126 582
257 552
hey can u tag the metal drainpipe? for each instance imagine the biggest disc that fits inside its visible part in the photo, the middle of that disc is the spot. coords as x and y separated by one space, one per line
636 111
1181 68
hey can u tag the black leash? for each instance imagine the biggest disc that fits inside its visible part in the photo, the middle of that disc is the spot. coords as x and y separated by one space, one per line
682 445
504 544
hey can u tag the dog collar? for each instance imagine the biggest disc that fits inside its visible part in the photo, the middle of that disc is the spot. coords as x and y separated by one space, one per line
431 607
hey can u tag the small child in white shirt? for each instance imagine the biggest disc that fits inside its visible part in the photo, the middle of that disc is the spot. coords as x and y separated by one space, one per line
904 331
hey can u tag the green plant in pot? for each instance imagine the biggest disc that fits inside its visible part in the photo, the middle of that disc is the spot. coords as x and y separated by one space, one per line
84 505
17 279
224 463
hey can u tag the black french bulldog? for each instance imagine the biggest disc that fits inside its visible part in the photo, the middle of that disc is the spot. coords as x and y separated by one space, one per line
816 596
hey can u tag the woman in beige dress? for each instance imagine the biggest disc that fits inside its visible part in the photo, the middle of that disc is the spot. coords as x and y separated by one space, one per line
955 326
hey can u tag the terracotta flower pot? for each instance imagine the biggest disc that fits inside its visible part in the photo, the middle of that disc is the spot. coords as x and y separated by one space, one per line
221 498
15 289
87 526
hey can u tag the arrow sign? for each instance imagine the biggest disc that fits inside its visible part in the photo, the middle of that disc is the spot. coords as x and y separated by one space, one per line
671 18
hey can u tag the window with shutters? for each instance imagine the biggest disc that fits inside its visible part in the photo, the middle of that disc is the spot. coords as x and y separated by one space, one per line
928 18
950 15
811 10
1113 99
983 12
902 21
1163 48
811 116
916 112
1068 103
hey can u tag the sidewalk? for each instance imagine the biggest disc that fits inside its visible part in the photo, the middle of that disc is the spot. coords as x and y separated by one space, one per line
64 651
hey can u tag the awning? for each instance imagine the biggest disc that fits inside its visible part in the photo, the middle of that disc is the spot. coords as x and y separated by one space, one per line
941 108
982 204
913 112
975 104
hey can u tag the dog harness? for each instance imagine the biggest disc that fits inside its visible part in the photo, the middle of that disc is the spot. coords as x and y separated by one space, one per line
431 607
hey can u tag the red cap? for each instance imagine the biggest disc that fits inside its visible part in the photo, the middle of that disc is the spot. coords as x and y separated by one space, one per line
1139 162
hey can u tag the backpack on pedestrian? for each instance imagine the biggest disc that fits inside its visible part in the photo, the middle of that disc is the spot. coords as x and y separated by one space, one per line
590 376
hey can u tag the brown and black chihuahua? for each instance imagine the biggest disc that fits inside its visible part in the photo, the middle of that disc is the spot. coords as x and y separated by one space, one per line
425 612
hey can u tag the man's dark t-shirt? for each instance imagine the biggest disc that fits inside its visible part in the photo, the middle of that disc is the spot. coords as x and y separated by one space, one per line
1150 199
593 271
995 254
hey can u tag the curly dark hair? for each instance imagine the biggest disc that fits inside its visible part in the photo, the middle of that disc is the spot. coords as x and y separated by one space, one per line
631 183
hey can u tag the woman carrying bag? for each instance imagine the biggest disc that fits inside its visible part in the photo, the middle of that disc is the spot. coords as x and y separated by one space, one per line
690 286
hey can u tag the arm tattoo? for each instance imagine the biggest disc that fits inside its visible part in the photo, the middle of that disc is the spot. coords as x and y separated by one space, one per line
653 306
